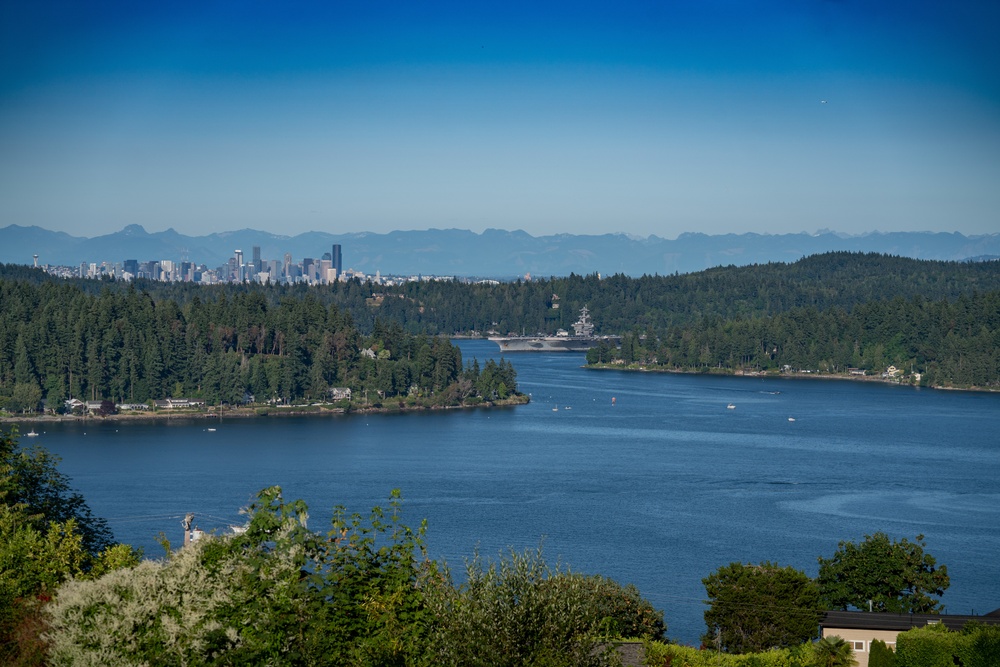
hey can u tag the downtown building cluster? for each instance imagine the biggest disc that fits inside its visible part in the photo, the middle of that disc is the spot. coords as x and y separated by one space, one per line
326 270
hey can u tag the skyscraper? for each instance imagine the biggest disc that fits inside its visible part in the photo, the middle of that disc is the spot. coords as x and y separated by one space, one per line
256 259
335 258
239 266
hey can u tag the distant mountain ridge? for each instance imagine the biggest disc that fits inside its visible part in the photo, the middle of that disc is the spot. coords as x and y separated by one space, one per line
493 253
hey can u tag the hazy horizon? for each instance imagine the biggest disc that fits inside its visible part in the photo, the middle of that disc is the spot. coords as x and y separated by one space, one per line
80 233
705 116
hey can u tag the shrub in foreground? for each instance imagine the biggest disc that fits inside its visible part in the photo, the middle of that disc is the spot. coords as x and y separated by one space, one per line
47 535
363 594
519 611
934 645
659 654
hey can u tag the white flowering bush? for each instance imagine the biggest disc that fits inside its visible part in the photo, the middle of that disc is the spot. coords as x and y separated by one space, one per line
179 611
275 595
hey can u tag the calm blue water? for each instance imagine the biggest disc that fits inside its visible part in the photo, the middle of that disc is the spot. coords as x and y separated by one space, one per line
659 489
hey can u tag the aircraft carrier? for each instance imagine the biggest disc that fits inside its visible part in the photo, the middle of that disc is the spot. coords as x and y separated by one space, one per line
581 340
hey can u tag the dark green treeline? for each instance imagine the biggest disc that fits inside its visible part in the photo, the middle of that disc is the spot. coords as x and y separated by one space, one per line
949 343
617 303
827 312
58 341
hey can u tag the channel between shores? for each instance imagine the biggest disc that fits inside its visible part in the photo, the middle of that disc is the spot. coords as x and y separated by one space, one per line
329 410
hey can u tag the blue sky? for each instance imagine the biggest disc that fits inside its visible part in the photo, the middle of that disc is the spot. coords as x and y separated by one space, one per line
647 118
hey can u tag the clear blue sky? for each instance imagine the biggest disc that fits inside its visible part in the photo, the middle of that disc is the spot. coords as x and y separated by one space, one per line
580 117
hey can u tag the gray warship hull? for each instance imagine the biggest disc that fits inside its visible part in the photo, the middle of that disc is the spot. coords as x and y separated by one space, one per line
543 344
549 343
582 340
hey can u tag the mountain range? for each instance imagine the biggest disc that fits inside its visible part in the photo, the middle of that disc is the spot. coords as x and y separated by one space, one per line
493 253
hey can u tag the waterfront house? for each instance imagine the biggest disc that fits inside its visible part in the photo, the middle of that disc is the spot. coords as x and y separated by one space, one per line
340 393
172 403
861 628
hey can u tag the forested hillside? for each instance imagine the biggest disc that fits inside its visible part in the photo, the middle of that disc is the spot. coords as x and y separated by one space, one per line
617 303
935 343
146 340
58 341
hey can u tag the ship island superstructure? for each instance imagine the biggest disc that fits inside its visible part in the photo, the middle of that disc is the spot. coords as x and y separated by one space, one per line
581 340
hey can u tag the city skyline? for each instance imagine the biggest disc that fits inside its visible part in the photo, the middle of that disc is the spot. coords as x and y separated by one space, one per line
328 268
649 119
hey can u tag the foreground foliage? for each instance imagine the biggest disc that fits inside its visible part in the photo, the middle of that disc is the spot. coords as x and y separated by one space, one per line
47 535
936 646
753 608
659 654
518 611
929 646
833 652
897 577
880 655
363 594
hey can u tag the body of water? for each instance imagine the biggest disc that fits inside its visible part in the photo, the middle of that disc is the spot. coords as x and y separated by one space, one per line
646 478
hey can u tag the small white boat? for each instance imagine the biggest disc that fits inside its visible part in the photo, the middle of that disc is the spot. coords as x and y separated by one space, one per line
791 419
31 434
731 406
211 430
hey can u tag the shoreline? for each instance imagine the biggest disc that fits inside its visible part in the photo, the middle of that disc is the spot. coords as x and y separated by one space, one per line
256 413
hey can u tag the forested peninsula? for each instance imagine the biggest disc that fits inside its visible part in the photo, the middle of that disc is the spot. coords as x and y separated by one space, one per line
941 343
234 347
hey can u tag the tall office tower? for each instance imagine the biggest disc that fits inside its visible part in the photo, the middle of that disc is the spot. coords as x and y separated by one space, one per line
335 258
287 267
239 266
256 259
